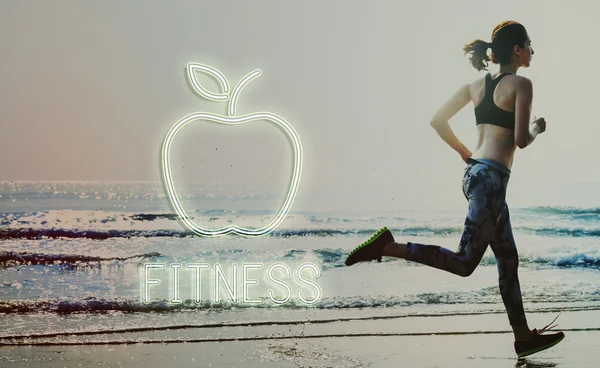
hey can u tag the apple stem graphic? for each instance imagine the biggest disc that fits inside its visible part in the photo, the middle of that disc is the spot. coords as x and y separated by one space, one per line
191 71
236 90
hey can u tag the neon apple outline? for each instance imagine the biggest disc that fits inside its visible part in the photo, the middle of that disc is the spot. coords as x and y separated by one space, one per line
233 120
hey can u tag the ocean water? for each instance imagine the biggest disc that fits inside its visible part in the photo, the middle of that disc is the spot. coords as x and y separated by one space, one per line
72 259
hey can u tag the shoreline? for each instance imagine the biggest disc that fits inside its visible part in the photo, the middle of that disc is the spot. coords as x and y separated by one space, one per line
415 341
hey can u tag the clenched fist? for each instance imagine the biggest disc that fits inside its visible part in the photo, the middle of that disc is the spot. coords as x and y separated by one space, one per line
539 125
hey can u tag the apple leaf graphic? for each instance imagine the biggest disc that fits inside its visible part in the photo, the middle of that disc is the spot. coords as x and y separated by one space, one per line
192 68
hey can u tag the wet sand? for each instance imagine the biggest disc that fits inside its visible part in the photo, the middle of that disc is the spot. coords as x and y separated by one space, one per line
446 341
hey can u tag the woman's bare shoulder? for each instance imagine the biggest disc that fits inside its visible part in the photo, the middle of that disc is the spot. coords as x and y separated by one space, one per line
519 81
476 86
478 82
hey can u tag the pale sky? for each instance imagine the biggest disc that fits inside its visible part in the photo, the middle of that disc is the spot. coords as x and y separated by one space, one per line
89 90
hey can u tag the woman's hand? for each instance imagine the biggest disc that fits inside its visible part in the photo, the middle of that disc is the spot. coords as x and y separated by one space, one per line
538 126
465 154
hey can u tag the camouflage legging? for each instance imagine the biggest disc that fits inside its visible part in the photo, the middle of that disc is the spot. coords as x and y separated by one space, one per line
487 222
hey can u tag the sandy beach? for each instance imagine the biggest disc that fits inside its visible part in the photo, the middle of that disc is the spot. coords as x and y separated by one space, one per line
431 341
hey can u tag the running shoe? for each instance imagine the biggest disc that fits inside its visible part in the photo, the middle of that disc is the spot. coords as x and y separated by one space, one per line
538 342
371 249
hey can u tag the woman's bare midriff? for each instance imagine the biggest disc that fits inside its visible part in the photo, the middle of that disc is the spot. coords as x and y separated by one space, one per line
495 143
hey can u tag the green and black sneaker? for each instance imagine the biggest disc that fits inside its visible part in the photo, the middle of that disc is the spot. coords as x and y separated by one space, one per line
538 342
371 249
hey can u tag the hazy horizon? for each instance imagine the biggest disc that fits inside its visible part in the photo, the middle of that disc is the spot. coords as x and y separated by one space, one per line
92 88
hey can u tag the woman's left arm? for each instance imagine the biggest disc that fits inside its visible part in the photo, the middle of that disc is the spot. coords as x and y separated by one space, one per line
440 120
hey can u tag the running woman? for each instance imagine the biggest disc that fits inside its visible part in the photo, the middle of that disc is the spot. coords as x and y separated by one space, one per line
502 113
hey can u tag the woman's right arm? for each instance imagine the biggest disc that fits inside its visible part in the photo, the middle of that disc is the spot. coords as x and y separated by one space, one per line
525 132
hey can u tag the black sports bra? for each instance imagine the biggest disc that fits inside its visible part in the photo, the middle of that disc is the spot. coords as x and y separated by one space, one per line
488 112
